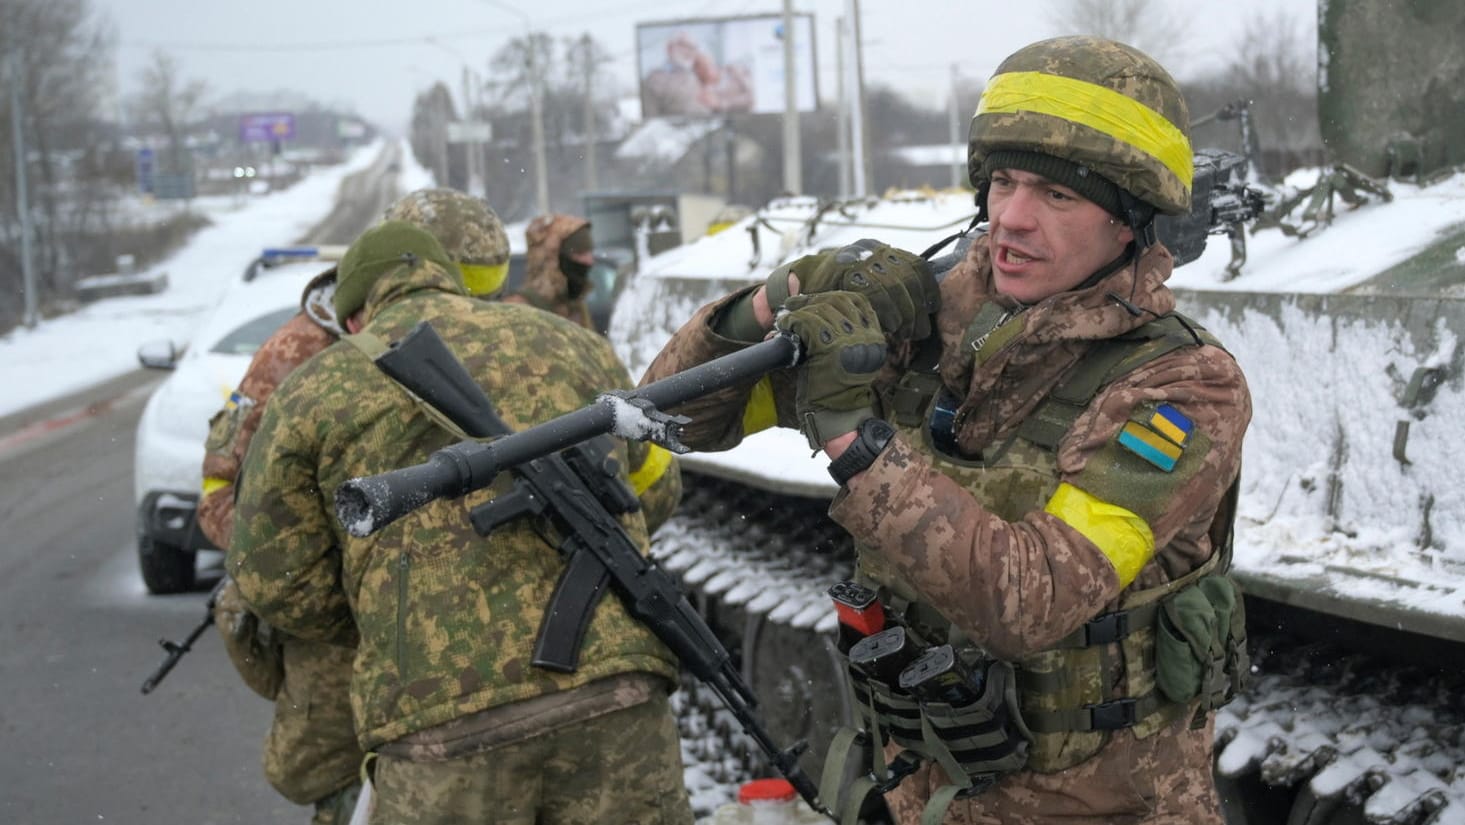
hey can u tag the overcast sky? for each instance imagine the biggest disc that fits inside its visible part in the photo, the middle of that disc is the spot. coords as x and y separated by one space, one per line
376 56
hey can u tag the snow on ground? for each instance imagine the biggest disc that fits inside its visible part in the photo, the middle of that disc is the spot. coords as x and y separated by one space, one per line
99 341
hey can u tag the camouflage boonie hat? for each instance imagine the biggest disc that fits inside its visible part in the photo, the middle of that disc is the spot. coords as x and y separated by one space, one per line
380 250
1095 103
468 229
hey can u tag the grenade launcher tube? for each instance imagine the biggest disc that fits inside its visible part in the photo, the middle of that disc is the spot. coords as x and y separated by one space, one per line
367 504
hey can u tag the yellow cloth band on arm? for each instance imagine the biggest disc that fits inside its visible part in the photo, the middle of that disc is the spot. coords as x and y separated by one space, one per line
760 414
658 459
482 280
213 485
1097 107
1123 537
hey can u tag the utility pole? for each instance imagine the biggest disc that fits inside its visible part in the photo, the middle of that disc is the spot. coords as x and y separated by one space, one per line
862 134
793 175
843 108
536 110
470 146
22 200
541 174
856 95
953 116
587 54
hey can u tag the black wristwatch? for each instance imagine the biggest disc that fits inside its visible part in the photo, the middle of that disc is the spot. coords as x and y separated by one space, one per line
870 439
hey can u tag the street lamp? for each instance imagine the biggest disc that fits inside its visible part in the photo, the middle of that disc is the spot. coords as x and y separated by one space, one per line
536 113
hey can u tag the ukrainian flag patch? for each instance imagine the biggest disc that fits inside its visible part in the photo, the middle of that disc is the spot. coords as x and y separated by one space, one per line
1162 441
1172 424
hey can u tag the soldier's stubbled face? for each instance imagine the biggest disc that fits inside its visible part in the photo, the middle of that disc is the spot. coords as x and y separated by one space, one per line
1046 238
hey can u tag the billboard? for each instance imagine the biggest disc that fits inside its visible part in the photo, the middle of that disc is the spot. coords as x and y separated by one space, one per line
713 66
266 128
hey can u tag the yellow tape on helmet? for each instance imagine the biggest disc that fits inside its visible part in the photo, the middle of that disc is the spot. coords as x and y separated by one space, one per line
1097 107
1123 537
484 279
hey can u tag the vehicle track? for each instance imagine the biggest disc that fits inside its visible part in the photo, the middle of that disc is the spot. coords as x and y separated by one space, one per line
1335 727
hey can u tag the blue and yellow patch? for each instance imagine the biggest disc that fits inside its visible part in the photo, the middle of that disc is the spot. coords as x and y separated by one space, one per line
1162 441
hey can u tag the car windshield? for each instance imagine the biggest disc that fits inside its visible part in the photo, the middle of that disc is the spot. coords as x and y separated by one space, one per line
246 338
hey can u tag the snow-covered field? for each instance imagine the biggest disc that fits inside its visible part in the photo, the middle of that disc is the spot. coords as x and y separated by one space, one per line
99 341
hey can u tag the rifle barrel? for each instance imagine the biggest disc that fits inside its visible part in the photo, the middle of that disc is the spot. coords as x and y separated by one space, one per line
365 505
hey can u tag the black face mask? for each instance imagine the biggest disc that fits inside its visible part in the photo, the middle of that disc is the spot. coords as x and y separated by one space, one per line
577 276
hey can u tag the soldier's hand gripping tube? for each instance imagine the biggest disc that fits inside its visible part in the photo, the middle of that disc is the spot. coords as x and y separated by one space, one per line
365 505
578 487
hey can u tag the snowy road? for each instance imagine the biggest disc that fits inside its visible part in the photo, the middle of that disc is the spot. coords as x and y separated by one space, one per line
78 634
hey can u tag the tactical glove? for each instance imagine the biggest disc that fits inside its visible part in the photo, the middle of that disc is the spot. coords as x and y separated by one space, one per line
844 350
898 284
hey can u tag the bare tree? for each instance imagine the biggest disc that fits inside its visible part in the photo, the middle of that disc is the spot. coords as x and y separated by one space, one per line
59 53
1274 72
169 102
1148 26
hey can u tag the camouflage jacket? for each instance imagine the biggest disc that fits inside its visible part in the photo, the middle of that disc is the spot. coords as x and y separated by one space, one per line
1016 587
976 568
545 286
232 427
446 619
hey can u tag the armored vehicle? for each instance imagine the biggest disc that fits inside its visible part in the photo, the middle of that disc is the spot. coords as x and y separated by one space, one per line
1347 316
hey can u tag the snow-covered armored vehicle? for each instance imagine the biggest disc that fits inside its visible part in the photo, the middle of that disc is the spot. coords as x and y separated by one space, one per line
1351 534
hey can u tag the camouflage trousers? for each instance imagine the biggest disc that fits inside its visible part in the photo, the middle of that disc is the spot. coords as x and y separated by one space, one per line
1164 779
311 751
624 767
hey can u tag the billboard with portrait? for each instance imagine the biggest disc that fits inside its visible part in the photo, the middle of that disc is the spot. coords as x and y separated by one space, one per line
714 66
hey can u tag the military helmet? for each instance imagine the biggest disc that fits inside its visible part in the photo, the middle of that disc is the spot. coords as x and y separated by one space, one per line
380 250
468 229
1097 104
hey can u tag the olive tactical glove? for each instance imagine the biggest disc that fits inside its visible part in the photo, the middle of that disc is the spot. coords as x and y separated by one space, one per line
898 284
844 350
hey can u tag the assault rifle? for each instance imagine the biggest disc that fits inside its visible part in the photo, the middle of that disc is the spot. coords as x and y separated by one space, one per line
565 471
175 650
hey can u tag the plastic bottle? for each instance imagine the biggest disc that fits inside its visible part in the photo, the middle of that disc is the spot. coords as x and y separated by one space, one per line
766 802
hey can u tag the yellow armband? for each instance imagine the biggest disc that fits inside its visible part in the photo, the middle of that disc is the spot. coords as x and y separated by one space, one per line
1123 537
760 414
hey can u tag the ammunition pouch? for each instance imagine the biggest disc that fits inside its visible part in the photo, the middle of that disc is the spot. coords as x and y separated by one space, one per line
975 743
1200 643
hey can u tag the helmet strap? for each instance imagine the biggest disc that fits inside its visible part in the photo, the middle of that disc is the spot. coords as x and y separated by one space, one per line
1140 217
982 189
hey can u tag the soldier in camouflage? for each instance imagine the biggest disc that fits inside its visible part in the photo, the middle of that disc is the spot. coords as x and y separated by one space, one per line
310 755
1047 481
462 726
557 273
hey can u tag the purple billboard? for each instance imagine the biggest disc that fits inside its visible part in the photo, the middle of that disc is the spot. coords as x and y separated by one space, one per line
266 128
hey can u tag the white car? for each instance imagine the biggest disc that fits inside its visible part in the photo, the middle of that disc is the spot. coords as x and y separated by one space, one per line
167 469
